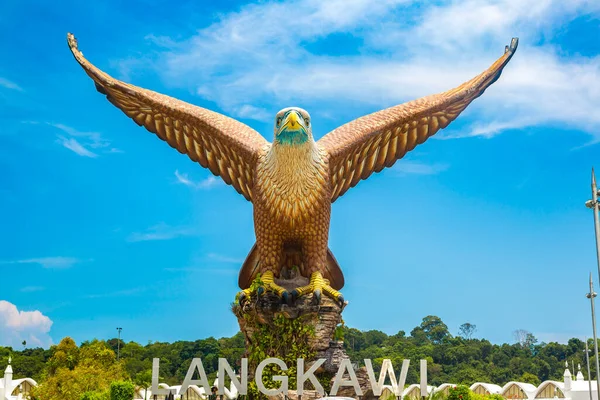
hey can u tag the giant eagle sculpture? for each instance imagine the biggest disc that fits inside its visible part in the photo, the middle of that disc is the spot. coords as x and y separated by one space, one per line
292 181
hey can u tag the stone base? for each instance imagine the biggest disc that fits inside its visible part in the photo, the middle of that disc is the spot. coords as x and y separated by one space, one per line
324 317
261 311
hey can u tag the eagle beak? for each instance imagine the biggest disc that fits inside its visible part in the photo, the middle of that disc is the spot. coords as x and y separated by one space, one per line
292 122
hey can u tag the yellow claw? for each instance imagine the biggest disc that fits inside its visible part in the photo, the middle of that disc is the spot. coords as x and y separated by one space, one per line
267 282
318 285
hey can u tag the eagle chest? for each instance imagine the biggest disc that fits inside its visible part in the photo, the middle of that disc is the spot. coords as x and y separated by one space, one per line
292 189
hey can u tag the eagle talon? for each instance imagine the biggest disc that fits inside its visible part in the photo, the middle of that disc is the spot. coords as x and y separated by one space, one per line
286 298
317 296
317 286
265 284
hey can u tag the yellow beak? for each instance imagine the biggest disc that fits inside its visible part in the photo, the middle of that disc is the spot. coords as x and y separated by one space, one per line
292 122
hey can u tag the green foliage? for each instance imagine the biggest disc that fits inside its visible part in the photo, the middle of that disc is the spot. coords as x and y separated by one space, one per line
339 332
528 377
460 392
467 330
286 339
122 390
143 379
439 395
93 365
72 371
433 329
95 396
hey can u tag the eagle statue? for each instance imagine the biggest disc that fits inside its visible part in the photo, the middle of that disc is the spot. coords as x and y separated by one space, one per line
292 181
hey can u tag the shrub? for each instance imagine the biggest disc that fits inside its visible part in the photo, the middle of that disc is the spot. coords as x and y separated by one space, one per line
528 377
460 392
95 396
121 390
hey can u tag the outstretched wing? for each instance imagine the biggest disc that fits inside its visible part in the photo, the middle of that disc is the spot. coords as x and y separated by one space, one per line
370 143
228 148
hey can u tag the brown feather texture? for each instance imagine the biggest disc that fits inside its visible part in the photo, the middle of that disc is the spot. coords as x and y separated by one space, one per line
292 180
376 141
228 148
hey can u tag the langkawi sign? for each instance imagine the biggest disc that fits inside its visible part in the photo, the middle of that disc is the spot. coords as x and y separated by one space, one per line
345 376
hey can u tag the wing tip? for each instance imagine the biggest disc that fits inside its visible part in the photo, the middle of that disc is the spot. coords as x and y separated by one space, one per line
72 41
512 47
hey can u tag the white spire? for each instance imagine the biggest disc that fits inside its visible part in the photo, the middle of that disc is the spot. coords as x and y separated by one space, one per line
567 377
579 374
8 367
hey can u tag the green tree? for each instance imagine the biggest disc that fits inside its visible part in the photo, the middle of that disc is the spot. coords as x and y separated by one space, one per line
94 370
467 330
122 390
528 377
433 328
143 380
65 355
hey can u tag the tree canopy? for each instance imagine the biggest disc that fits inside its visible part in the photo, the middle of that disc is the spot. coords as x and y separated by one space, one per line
66 370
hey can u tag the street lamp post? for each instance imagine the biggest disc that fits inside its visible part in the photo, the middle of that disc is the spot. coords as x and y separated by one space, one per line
119 342
591 296
595 206
587 361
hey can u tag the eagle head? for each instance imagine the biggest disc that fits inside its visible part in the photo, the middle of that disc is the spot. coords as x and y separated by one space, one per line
292 126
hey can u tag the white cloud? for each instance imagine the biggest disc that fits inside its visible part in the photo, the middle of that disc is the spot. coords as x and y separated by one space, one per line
207 183
431 49
81 142
251 112
47 262
161 231
419 168
76 147
17 326
9 84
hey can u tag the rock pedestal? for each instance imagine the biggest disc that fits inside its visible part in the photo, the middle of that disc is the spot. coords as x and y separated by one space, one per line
324 318
261 316
262 310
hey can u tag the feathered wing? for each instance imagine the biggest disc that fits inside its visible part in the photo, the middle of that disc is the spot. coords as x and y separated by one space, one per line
373 142
228 148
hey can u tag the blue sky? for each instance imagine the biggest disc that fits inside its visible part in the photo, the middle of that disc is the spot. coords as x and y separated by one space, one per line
103 225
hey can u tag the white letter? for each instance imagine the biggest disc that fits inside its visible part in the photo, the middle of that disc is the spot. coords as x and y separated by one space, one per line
310 374
278 378
402 381
424 378
155 370
346 366
386 369
196 364
224 367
